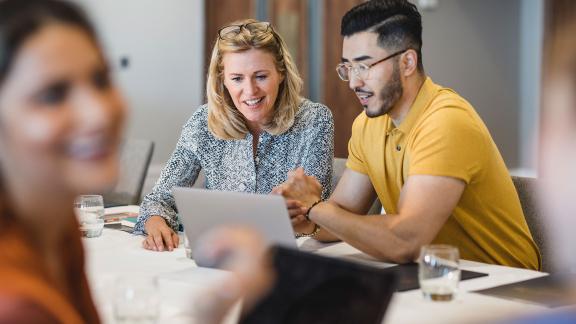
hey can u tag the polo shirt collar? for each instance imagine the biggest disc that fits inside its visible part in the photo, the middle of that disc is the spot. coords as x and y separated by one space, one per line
425 95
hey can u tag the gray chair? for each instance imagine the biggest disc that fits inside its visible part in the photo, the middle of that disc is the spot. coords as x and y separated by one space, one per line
200 180
135 158
526 189
339 166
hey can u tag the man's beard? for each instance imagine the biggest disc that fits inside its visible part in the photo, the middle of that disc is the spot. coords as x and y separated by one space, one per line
390 95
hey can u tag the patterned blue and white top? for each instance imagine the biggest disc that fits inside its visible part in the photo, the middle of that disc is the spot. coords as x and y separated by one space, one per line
230 164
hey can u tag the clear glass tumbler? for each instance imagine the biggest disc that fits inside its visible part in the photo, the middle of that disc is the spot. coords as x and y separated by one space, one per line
185 244
439 272
90 212
137 300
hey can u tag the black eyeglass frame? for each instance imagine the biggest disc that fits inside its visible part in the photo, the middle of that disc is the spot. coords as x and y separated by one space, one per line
349 66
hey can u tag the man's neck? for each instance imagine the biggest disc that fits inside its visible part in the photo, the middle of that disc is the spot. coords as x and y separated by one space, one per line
404 104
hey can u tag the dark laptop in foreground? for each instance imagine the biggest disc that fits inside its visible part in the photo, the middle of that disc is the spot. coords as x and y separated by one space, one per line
311 288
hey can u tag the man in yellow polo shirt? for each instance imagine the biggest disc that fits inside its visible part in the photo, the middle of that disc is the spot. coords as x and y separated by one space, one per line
421 148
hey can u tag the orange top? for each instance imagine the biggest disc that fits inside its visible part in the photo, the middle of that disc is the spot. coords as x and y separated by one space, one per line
23 277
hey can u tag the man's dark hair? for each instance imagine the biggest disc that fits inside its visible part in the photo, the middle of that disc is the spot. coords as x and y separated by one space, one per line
397 23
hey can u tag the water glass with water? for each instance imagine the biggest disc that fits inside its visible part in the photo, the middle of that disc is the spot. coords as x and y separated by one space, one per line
439 272
137 300
90 212
185 244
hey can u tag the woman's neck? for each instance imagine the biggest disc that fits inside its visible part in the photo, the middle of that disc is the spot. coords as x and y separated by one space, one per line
45 214
48 220
254 128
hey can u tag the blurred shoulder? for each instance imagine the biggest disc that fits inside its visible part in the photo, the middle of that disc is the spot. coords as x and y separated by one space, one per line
15 309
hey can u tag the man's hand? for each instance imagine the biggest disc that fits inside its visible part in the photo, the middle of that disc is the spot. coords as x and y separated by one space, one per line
160 236
300 192
301 187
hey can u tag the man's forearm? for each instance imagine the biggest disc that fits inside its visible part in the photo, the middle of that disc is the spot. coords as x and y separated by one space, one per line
371 234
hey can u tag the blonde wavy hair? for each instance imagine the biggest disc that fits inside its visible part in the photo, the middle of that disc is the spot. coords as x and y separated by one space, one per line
224 119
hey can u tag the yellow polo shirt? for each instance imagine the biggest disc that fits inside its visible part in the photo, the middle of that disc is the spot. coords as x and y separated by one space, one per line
442 135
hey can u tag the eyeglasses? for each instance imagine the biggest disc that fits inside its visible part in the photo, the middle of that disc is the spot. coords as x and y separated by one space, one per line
361 70
254 28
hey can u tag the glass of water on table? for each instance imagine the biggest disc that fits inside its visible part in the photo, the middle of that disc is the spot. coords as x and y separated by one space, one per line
439 272
89 210
136 300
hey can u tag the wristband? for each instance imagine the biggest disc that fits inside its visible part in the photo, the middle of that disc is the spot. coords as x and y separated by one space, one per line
307 215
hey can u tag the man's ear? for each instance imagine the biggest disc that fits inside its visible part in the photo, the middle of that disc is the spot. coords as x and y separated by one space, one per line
409 62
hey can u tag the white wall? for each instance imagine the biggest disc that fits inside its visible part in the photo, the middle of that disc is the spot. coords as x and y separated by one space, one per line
164 41
490 52
473 47
531 43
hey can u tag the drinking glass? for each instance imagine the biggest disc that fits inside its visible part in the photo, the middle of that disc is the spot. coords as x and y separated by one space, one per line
136 300
90 212
186 244
439 272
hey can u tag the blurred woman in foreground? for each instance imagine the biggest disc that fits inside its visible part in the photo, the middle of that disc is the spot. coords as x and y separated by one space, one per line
557 181
60 124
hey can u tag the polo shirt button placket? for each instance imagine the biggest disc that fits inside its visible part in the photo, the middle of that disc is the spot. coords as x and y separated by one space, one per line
398 148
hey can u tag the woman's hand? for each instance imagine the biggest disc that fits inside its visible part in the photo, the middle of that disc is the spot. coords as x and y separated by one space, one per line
296 211
160 236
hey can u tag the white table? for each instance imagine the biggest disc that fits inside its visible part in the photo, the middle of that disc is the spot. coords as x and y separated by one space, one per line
117 253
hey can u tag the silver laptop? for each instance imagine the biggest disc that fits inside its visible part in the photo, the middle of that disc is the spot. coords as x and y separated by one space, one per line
201 210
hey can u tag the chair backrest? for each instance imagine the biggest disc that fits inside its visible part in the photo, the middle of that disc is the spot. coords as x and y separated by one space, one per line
200 180
339 166
526 189
134 161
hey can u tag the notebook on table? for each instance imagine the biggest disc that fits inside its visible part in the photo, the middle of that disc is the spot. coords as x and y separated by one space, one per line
122 217
407 273
408 276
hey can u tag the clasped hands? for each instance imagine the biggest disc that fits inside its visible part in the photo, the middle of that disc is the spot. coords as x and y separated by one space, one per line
300 192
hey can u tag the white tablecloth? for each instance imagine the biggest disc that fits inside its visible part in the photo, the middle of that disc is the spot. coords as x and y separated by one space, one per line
118 254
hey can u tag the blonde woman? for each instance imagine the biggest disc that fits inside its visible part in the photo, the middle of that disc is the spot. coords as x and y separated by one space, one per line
254 129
